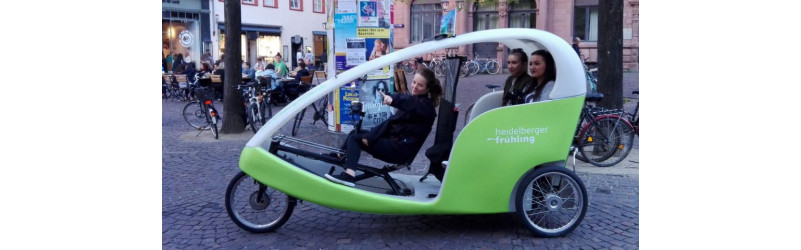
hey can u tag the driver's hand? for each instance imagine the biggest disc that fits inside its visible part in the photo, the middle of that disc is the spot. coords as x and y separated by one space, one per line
387 98
364 140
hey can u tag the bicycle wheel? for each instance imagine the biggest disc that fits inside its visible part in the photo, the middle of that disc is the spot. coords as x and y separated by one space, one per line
606 142
254 119
321 113
474 67
298 119
553 202
214 118
256 207
439 70
266 107
193 115
408 68
464 71
493 67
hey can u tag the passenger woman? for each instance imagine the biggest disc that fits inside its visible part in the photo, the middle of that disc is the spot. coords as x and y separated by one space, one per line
518 84
400 137
543 70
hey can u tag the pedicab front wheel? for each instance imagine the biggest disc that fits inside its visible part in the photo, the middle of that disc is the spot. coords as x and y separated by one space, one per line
553 201
256 207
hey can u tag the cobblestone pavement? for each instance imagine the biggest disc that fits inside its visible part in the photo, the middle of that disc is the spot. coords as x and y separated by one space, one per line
196 170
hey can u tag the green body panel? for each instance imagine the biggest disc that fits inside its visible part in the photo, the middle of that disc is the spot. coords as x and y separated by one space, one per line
481 175
484 168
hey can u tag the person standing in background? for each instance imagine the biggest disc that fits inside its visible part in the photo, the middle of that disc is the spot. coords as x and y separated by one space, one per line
280 67
187 57
169 62
177 60
299 55
309 59
577 48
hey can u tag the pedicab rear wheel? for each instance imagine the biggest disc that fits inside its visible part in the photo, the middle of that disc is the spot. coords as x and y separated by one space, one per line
256 207
552 202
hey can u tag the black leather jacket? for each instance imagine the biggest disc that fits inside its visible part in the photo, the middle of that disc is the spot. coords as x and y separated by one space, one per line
410 125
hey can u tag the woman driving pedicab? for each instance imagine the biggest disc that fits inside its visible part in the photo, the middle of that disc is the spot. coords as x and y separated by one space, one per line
400 137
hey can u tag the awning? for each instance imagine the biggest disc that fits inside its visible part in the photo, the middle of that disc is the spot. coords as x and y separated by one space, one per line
319 33
261 29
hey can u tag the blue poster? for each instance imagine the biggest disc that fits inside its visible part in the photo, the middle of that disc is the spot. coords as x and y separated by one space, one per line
447 23
346 27
347 94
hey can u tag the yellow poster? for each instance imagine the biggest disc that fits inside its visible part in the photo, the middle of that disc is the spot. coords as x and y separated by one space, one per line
372 33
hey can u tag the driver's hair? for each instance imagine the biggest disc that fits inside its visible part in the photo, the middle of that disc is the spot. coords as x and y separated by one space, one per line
434 88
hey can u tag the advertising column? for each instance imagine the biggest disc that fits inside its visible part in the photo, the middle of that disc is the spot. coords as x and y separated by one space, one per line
363 32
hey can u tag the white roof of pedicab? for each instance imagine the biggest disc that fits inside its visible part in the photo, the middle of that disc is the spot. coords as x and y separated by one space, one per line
570 79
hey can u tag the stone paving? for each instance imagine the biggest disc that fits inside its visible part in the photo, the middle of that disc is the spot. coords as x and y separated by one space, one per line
196 170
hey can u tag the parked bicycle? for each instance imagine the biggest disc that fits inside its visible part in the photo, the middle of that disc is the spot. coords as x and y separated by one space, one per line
320 112
201 114
592 78
634 118
603 137
488 65
253 106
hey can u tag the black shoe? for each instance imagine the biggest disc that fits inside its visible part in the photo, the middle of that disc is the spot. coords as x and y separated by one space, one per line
342 178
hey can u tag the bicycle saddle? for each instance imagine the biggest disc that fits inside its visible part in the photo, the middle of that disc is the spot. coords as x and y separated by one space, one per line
492 86
594 97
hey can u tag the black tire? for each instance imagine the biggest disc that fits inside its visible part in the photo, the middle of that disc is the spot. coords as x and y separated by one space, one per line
243 201
493 67
439 69
408 68
193 115
266 108
474 67
551 201
213 123
298 120
464 71
322 111
606 142
254 119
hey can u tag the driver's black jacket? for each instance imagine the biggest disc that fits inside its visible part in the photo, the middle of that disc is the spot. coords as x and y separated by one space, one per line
409 126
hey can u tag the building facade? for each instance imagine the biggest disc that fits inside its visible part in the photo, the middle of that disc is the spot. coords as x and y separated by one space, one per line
274 26
418 20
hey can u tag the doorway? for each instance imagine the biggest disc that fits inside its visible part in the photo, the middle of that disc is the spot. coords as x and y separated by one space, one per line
297 44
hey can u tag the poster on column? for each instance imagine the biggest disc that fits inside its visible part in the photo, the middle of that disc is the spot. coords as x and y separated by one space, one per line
363 33
347 94
375 110
368 13
355 52
347 6
384 11
346 26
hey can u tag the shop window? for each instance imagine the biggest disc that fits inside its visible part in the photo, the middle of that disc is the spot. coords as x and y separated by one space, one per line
585 20
296 5
319 6
425 21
